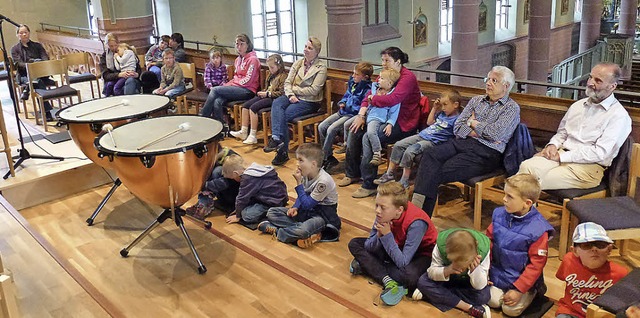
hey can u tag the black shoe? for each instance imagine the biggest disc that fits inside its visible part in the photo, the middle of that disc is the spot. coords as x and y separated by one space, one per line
273 145
329 163
280 159
25 93
50 117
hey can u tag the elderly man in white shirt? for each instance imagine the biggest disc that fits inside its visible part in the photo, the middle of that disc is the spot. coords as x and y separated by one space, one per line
588 138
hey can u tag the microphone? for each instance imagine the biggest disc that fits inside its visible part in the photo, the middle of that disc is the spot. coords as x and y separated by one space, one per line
2 17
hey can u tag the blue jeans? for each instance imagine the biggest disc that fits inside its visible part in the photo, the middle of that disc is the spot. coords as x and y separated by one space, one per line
375 128
328 129
291 229
254 213
446 295
406 150
283 112
218 98
132 86
359 154
175 91
156 70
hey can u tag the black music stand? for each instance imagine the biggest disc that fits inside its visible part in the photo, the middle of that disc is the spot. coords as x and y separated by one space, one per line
23 153
177 218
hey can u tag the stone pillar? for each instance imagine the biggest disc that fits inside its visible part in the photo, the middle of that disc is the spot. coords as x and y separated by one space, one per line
131 21
590 25
539 34
345 31
628 15
464 42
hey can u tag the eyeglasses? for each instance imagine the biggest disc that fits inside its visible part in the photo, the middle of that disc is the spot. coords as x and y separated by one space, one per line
492 79
589 245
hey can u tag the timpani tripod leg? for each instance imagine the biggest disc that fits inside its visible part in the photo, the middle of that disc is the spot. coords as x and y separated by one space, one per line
161 218
115 186
201 268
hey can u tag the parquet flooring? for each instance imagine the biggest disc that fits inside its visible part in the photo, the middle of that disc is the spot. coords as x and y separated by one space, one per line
249 274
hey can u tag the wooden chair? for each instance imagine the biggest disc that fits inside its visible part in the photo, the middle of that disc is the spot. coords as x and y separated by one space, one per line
49 68
10 68
198 96
479 184
6 147
141 62
235 107
81 59
8 303
189 73
620 216
297 125
331 87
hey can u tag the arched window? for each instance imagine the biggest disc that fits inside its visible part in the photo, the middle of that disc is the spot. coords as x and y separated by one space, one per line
273 26
444 66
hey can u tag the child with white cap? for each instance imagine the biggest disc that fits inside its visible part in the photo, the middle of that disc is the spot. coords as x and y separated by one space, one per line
587 270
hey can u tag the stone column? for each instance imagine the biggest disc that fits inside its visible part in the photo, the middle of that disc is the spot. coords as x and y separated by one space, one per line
539 33
131 21
464 42
590 25
345 31
628 15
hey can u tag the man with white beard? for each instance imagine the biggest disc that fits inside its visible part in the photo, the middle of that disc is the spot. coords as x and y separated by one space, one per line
588 138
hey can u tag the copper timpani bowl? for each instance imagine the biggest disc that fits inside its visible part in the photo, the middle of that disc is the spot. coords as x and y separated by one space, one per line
154 157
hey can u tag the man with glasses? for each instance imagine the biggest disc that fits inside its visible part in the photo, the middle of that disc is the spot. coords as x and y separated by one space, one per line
482 132
588 138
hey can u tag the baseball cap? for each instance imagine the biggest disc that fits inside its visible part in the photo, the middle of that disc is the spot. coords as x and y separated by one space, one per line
590 232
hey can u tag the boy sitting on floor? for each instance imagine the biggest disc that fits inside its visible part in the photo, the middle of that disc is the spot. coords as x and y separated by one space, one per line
260 189
398 249
520 237
314 216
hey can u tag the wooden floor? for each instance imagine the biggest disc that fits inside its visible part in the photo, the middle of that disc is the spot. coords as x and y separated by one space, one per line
76 270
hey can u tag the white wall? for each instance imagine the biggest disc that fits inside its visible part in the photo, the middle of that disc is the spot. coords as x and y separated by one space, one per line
32 12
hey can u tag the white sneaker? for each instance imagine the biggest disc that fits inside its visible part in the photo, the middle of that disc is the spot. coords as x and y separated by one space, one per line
417 295
242 135
251 140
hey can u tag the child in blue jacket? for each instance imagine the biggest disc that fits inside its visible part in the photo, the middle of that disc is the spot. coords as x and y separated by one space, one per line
381 119
358 86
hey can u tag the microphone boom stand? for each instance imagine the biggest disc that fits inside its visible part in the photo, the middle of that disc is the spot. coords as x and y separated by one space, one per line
23 153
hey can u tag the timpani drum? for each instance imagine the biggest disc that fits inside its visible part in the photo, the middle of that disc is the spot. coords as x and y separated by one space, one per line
154 155
86 120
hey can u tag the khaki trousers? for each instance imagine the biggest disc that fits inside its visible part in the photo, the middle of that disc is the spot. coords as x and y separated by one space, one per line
554 175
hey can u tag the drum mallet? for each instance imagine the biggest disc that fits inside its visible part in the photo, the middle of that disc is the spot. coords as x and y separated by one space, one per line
181 127
124 102
108 128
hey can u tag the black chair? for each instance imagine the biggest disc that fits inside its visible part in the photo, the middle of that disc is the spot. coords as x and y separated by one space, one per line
619 215
618 298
